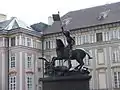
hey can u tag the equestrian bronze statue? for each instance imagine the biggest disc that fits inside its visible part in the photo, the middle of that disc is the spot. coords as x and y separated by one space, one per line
63 53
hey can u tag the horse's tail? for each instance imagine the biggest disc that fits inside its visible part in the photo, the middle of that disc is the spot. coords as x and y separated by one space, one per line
89 56
43 59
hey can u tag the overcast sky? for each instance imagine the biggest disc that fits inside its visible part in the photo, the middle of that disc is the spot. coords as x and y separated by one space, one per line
34 11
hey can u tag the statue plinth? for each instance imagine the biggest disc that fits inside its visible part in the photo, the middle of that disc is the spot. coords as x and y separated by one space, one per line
72 82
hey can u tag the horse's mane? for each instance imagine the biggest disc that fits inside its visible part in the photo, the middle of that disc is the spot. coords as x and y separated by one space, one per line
59 43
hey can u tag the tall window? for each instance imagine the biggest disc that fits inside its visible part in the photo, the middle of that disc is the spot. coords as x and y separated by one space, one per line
29 82
13 41
29 61
116 79
12 82
86 39
38 44
110 35
115 55
102 80
79 40
28 42
47 44
100 56
6 42
115 34
83 39
23 40
18 40
91 38
1 41
99 37
34 43
87 60
106 36
12 61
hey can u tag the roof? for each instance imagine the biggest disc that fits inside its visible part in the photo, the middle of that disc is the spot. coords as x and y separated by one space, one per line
39 26
88 17
13 23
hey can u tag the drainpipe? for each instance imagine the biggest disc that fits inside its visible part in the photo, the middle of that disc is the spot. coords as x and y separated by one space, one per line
8 58
42 37
7 47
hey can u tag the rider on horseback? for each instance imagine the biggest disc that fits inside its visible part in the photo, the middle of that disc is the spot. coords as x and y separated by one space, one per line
70 42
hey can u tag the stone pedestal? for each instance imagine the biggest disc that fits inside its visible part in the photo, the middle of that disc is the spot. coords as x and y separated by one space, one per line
73 82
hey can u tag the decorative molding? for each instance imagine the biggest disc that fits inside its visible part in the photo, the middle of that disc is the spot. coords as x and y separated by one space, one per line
12 72
29 71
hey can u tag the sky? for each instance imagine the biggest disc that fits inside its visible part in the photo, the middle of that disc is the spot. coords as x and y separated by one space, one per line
35 11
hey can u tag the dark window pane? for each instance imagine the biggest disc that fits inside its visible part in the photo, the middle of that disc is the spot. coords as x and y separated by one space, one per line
13 41
99 37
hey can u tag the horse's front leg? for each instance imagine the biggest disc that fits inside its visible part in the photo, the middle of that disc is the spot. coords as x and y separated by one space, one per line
76 68
53 61
81 65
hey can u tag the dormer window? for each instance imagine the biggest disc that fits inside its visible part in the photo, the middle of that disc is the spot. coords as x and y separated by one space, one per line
66 21
103 15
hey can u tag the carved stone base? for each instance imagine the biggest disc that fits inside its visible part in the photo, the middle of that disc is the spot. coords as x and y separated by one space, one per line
73 82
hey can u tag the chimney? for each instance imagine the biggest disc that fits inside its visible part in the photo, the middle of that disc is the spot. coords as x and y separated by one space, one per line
3 17
50 20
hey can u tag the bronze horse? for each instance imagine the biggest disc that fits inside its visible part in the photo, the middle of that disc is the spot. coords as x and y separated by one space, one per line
63 53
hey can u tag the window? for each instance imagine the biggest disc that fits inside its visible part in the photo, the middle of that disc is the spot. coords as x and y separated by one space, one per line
91 38
18 40
6 42
13 41
119 34
100 56
87 60
38 44
106 36
110 35
54 43
51 44
12 62
79 40
23 40
102 80
1 41
29 82
115 34
103 15
99 37
83 39
115 55
34 43
29 61
28 42
12 82
116 79
47 44
86 39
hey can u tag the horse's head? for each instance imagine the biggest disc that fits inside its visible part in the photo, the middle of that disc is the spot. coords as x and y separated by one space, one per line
59 43
47 63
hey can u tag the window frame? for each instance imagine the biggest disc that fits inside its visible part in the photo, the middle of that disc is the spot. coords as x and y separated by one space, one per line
99 37
12 82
